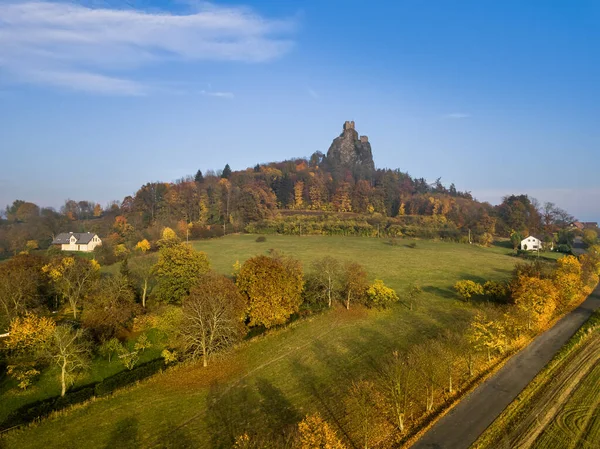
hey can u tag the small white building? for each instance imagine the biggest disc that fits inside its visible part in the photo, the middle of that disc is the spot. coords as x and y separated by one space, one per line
532 243
77 241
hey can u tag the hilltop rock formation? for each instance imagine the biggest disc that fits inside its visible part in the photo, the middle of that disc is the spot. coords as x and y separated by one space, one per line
349 151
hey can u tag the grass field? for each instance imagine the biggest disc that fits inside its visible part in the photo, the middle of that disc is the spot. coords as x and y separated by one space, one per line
561 407
275 379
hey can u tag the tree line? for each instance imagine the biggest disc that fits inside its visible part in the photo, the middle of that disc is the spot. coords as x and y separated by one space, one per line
216 203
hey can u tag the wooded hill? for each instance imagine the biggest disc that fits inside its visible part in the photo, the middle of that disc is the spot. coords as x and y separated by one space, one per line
335 193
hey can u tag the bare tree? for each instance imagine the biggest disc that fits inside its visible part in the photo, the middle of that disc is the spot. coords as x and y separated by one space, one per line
70 353
354 282
143 273
428 367
212 316
396 375
327 274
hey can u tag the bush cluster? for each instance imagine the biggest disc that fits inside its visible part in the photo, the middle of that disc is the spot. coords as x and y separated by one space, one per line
425 227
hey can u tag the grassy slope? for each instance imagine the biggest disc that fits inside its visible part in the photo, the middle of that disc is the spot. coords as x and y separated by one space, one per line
11 398
275 379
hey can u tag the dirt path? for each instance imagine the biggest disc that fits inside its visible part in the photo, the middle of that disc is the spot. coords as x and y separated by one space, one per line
464 423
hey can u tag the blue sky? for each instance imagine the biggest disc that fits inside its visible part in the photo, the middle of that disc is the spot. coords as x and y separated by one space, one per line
98 97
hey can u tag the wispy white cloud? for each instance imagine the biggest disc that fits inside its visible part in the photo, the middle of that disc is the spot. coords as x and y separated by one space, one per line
456 115
71 45
313 94
217 94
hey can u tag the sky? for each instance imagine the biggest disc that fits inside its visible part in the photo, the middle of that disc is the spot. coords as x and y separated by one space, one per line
98 97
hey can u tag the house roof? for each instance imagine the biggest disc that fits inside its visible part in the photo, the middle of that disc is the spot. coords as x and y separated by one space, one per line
540 237
82 238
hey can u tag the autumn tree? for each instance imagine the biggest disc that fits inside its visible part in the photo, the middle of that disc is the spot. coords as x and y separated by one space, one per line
298 194
21 285
467 288
536 298
70 353
110 308
272 287
327 275
212 316
73 278
178 268
143 246
315 433
28 338
486 334
567 280
354 283
380 296
496 291
590 237
365 408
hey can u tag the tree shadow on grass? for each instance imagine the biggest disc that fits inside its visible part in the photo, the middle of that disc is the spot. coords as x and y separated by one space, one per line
124 435
326 398
260 410
442 292
175 437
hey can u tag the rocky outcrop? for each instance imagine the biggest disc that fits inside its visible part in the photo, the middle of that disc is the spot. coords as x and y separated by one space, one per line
351 151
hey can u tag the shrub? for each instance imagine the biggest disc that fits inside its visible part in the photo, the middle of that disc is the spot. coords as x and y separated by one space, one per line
466 289
380 296
496 291
261 239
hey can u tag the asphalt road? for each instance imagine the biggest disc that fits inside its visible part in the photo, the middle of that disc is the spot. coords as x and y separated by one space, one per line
462 425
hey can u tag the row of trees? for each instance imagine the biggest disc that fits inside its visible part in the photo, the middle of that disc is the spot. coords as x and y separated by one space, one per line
409 384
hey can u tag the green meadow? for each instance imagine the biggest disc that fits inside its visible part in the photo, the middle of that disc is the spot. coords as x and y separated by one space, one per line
273 380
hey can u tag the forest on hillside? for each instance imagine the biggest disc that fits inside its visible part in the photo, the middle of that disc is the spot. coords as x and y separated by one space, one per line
281 197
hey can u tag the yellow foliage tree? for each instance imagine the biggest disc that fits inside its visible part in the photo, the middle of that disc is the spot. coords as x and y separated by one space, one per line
72 278
272 287
97 210
315 433
298 192
467 288
381 296
567 280
29 333
536 298
143 246
31 245
487 335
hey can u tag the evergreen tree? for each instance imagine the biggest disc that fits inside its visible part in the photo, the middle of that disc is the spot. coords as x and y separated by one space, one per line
226 172
199 178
